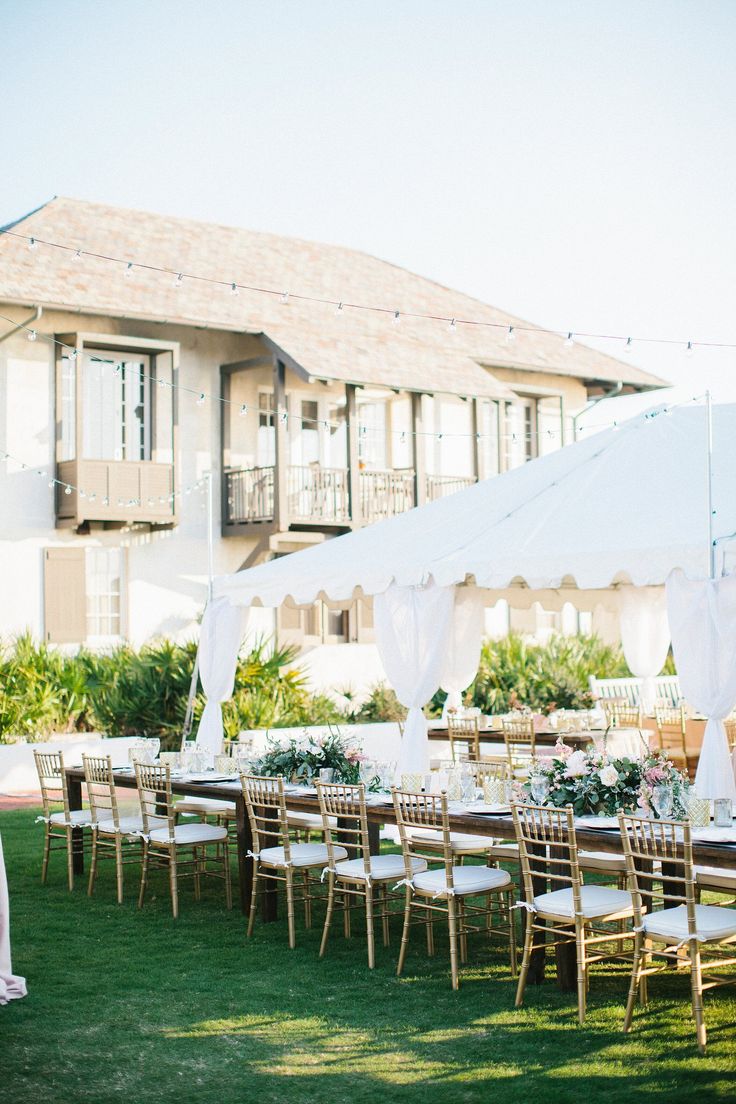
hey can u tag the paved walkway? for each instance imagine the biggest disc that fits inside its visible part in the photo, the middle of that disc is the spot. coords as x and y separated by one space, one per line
19 801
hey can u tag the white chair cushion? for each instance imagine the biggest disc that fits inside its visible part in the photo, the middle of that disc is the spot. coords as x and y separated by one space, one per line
602 860
302 854
712 923
383 867
466 880
306 820
76 816
706 874
459 841
209 806
128 826
188 834
596 901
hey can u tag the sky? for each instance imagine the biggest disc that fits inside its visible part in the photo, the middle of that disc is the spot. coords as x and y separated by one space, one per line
572 161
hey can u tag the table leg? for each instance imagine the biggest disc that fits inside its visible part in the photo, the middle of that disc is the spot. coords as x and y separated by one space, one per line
245 844
374 837
74 789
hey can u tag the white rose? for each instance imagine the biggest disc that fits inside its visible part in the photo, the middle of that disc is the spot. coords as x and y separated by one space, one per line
577 765
608 776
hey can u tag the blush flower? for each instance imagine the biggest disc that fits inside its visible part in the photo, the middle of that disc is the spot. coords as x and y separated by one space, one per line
562 750
577 765
609 775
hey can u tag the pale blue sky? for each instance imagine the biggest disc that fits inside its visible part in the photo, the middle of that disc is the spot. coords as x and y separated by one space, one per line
571 160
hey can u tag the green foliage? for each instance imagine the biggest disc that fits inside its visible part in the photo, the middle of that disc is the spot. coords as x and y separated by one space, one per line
304 758
381 705
144 693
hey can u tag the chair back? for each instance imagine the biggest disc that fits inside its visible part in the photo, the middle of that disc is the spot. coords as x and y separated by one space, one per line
671 728
730 726
464 731
621 714
547 849
266 804
347 804
612 706
157 801
422 811
52 780
649 846
103 800
520 739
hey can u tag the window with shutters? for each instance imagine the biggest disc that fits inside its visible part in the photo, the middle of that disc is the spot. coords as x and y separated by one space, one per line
83 595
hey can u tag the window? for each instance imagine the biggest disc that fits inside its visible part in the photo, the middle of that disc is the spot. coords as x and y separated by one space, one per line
309 431
83 595
372 434
116 397
266 444
316 625
533 427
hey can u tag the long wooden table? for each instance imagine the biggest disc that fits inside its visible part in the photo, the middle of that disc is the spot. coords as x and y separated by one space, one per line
499 827
547 737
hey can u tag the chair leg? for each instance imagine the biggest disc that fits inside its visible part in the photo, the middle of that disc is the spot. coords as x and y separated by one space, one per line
525 960
384 915
462 930
347 917
70 859
452 923
46 853
430 935
635 983
581 969
369 926
405 932
307 894
172 882
144 874
290 906
226 871
197 856
696 985
93 865
253 901
119 867
507 898
328 914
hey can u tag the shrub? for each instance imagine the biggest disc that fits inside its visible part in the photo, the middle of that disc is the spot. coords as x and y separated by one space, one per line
381 705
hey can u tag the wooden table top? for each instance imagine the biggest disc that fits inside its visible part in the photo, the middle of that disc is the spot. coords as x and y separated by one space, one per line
500 827
546 736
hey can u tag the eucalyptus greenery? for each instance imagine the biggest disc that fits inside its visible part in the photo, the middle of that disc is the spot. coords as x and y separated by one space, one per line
302 758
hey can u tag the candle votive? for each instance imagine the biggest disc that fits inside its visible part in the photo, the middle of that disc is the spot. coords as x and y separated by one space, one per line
722 812
412 783
698 809
494 791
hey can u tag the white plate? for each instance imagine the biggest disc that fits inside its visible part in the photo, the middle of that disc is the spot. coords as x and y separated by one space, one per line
596 822
484 807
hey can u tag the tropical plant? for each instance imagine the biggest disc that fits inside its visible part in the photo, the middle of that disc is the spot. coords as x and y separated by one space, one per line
381 705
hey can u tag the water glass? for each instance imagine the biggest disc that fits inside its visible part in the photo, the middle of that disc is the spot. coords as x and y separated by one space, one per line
722 812
172 759
539 785
662 801
224 764
326 774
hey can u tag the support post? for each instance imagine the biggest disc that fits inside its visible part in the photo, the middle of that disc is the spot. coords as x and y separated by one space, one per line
418 450
353 430
476 422
709 431
281 434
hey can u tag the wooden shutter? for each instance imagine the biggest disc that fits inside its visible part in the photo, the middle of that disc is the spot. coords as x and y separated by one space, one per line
65 599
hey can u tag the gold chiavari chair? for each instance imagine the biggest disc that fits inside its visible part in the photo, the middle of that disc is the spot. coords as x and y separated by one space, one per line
446 890
614 708
364 878
625 716
730 726
520 740
275 856
571 911
187 850
59 824
672 734
113 836
684 930
464 736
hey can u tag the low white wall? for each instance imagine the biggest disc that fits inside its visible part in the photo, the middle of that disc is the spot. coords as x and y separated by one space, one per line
18 767
334 668
377 741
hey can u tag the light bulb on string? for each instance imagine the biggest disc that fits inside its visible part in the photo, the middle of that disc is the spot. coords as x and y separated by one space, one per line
338 310
284 297
32 335
67 490
179 280
510 334
453 325
234 289
162 382
396 318
73 354
77 255
243 410
569 339
32 243
628 345
106 501
128 270
689 351
52 484
201 398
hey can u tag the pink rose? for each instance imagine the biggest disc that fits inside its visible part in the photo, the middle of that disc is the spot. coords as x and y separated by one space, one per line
577 765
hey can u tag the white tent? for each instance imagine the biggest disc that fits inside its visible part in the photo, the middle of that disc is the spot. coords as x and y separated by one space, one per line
628 506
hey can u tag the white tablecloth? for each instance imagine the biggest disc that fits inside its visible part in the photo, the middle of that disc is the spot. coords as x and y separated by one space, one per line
11 986
620 742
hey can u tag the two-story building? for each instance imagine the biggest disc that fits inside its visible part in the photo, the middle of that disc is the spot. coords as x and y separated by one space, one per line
138 352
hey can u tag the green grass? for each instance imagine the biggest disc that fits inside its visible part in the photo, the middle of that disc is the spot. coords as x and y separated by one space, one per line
132 1006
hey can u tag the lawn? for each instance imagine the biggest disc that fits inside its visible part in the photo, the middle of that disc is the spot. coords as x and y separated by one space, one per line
133 1006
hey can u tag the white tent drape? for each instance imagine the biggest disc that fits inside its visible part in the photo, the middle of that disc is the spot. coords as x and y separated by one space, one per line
463 646
645 636
412 626
220 637
11 986
703 623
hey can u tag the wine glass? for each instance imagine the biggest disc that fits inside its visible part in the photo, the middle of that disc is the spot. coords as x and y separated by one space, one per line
662 801
539 785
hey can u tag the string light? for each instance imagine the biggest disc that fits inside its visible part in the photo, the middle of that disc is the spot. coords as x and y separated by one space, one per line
179 280
453 325
510 334
201 398
234 289
243 410
32 335
689 351
397 318
568 340
628 345
77 255
284 297
338 310
67 490
32 243
128 270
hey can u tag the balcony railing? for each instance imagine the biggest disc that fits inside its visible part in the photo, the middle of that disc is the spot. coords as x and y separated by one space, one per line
115 491
322 495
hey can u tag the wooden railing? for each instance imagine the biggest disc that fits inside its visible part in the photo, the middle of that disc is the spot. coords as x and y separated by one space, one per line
439 486
321 495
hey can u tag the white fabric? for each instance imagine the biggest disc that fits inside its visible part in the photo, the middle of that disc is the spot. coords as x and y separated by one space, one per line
602 860
302 854
459 841
11 986
463 646
412 625
79 817
466 879
187 834
711 922
306 820
220 636
625 505
706 874
596 901
130 825
210 806
383 867
645 636
703 623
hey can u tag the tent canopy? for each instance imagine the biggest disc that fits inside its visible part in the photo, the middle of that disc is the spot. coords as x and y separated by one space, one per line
627 505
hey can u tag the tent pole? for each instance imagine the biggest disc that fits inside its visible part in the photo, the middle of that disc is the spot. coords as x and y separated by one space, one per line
709 430
189 715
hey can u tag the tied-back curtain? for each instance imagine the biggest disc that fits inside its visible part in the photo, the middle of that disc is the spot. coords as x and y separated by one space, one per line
11 986
463 646
221 633
645 636
703 624
412 626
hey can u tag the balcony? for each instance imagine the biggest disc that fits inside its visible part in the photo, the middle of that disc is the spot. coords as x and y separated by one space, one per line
115 491
320 496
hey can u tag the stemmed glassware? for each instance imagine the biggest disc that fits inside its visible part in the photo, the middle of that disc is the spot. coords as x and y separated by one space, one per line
539 785
662 798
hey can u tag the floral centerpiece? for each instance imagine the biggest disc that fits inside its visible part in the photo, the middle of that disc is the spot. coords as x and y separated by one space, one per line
302 758
594 783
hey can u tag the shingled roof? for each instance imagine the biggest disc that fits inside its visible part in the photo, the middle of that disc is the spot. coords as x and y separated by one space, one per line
358 346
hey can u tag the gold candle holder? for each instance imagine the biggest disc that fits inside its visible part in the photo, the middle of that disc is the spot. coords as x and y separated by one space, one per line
698 810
